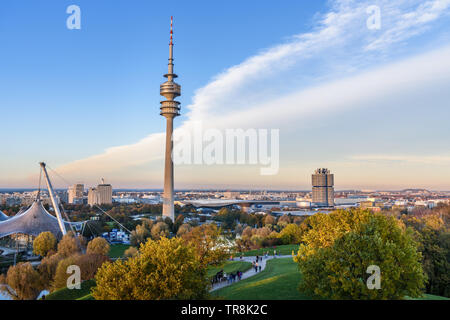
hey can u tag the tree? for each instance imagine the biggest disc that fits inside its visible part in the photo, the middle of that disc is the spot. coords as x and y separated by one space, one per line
178 223
159 230
141 234
247 232
164 269
339 270
291 234
284 220
209 244
61 275
263 232
323 229
47 269
70 245
44 243
131 252
98 246
269 220
88 264
434 238
22 282
183 229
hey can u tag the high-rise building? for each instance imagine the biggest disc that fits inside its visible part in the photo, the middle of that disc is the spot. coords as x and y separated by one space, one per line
169 109
76 193
323 188
100 195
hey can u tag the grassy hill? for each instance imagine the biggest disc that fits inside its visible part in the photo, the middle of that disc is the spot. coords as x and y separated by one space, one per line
278 281
74 294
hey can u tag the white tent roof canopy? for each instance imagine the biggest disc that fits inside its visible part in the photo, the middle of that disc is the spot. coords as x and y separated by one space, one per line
34 221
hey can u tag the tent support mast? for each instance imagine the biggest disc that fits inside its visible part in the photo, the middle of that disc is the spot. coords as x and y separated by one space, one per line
54 200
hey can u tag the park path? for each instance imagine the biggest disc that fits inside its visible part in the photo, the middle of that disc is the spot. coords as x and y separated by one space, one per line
251 272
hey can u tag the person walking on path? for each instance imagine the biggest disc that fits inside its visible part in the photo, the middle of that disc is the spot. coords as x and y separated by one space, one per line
259 268
256 267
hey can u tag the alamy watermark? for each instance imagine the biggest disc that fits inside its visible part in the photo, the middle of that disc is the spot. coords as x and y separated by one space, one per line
374 281
74 20
74 280
228 147
374 20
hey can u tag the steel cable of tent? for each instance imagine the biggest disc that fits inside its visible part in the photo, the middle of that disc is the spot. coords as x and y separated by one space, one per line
113 219
95 205
65 214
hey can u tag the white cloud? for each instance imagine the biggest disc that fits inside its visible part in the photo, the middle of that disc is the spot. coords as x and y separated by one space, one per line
413 159
408 24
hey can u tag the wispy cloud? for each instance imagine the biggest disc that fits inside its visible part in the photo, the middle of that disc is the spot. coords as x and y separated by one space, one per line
414 159
410 23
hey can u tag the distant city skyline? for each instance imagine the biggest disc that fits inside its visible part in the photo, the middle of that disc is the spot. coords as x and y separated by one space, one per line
370 105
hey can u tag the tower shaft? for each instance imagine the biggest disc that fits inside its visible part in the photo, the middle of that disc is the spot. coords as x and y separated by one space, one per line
169 109
168 206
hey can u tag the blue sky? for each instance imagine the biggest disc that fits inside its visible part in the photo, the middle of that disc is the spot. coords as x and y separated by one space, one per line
69 96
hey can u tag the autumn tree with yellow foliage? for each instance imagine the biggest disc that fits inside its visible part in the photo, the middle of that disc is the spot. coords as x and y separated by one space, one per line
22 282
98 246
44 243
210 245
164 269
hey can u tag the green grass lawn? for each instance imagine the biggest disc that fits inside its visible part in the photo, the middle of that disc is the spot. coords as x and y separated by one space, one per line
230 267
278 281
117 250
74 294
282 250
428 297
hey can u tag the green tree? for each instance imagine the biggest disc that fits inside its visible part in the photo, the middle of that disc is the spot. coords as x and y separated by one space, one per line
164 269
291 234
44 243
339 270
322 229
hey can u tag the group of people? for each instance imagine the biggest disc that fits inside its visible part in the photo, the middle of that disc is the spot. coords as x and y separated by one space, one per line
230 277
236 276
233 276
256 265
